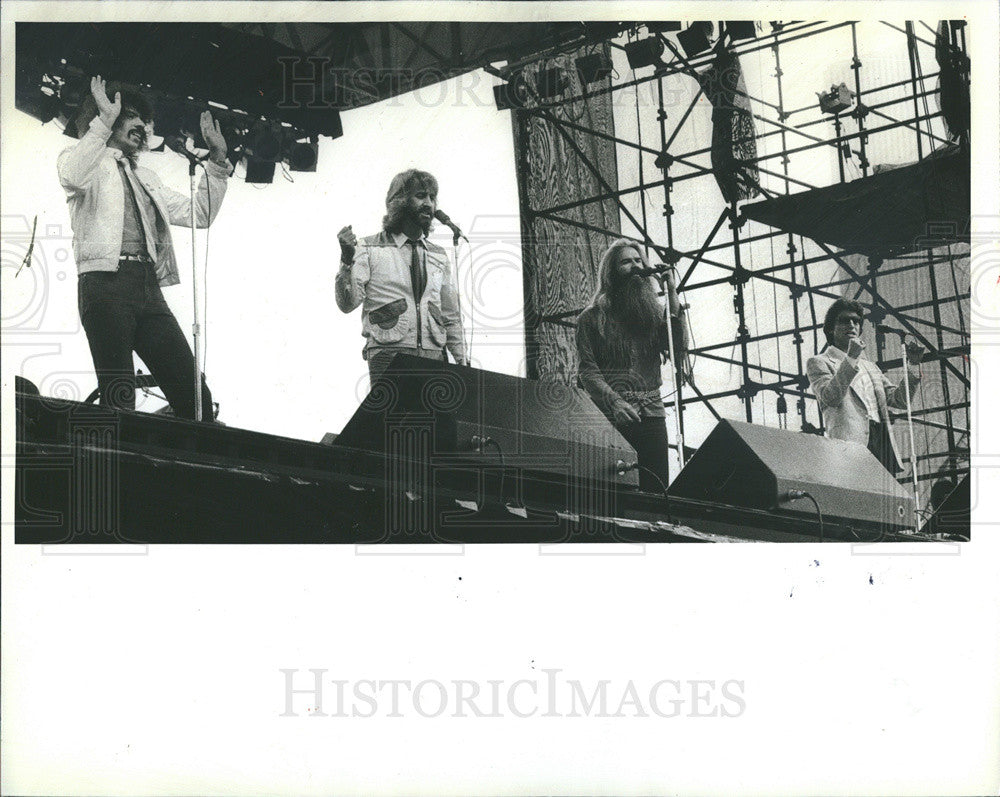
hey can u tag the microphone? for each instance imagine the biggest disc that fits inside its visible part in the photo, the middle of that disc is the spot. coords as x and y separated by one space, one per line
653 271
885 329
445 219
179 145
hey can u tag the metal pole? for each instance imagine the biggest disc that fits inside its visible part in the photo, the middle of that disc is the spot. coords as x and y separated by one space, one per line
668 213
909 423
671 280
196 328
741 276
859 109
467 342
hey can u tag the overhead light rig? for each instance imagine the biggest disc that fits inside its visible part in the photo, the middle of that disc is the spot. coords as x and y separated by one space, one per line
62 95
553 82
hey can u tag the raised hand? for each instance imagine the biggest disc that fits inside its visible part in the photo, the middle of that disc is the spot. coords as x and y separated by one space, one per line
212 134
348 244
107 110
855 348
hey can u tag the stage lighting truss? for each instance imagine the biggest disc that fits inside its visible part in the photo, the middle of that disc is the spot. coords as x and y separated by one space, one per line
740 30
644 52
64 94
593 68
696 39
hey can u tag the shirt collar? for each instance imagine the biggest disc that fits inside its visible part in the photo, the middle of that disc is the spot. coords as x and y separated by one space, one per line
120 156
400 239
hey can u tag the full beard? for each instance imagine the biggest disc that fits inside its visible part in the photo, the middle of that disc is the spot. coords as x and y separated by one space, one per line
423 224
635 308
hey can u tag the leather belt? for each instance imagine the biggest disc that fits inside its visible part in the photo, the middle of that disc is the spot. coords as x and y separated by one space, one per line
135 259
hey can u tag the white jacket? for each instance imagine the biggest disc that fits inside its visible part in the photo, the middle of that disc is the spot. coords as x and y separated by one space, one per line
379 280
831 376
88 171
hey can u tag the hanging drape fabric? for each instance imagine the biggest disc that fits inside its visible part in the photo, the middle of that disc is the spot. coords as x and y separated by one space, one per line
734 135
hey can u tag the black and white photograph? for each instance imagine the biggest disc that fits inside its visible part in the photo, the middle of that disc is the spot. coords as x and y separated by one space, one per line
409 398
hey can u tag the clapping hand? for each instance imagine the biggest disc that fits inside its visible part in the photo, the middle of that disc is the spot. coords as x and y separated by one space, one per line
212 134
107 110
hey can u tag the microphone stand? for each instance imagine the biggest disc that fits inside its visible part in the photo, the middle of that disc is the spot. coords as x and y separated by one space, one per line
193 161
673 368
909 422
196 327
456 237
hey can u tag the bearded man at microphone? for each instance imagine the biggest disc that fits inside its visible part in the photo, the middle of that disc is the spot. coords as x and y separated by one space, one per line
121 215
854 395
403 282
620 339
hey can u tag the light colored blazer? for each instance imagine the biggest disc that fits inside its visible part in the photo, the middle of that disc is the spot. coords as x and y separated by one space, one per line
88 172
831 376
379 281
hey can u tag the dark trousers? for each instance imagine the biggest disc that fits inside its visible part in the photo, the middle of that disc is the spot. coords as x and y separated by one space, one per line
880 445
124 311
649 439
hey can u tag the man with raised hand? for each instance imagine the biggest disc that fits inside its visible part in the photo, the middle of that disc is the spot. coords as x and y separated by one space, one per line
403 282
121 215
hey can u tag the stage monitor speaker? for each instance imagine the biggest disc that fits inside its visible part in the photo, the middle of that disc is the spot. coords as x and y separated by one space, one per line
538 425
753 466
952 508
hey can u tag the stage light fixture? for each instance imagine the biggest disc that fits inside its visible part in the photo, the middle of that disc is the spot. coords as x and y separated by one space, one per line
49 106
837 99
644 52
511 95
739 31
304 155
259 171
695 39
602 31
594 67
265 142
664 27
551 82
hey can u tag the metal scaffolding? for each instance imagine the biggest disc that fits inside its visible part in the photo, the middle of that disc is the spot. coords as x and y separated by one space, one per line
947 344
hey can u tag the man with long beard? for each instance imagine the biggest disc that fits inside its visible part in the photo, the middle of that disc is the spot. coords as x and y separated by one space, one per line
621 337
404 282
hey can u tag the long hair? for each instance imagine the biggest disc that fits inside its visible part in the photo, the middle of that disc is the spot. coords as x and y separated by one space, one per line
130 99
838 307
402 187
616 337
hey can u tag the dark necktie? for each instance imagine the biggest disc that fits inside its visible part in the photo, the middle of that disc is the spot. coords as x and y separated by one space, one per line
416 271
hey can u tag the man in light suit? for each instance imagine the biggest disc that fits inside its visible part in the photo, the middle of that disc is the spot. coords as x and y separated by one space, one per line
403 282
854 395
121 215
